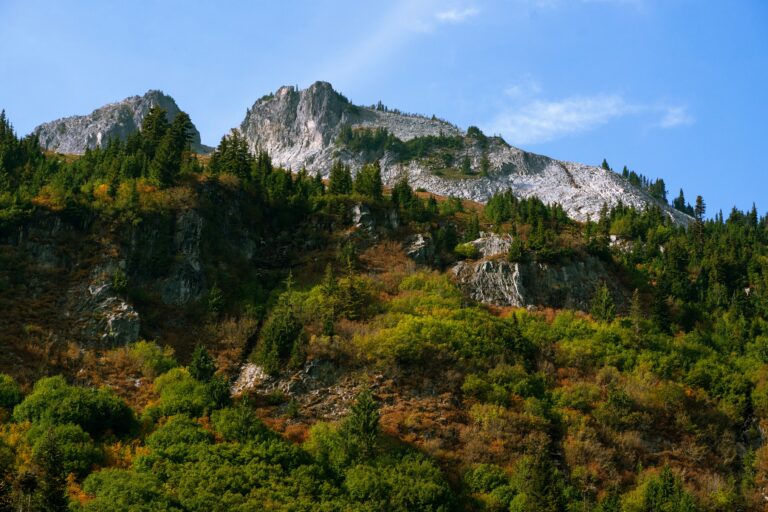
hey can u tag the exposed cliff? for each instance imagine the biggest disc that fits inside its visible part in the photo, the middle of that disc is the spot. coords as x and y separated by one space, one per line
301 128
491 279
75 134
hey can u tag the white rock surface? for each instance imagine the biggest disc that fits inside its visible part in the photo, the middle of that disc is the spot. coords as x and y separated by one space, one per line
299 128
75 134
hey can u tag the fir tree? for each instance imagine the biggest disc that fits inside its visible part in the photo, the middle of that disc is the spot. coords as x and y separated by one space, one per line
202 367
340 179
473 228
52 478
466 166
368 181
603 308
361 427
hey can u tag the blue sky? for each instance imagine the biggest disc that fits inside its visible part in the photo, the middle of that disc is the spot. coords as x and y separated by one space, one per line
671 88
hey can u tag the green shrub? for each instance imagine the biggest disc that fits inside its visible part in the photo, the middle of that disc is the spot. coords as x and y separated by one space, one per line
239 424
118 490
54 402
78 452
175 439
180 393
485 478
151 359
466 251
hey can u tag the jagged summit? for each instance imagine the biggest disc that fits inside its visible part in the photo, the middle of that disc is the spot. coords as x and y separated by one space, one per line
302 129
75 134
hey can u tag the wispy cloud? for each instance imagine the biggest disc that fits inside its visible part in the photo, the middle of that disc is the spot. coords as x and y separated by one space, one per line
456 15
543 121
676 116
398 25
529 118
525 88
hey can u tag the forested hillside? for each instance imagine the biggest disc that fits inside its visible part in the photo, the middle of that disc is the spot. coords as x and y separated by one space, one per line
193 333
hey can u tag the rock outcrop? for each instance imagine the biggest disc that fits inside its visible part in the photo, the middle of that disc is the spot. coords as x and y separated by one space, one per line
494 280
75 134
300 129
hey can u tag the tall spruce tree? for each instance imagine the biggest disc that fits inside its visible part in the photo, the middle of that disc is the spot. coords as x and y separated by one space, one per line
340 179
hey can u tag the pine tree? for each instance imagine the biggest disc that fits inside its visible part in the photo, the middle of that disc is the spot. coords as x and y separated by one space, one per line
605 165
340 179
362 426
473 228
466 165
232 156
202 367
402 193
603 308
368 181
153 129
52 478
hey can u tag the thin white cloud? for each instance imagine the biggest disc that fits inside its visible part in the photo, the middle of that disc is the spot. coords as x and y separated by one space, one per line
676 116
542 121
456 15
524 88
398 25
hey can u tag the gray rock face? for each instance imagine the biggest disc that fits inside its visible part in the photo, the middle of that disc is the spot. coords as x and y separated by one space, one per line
117 120
186 280
494 280
299 129
419 248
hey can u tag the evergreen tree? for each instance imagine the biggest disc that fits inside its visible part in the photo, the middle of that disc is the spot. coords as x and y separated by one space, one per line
361 427
52 477
466 166
202 367
232 156
281 336
170 151
473 228
368 181
340 179
605 165
485 166
603 308
153 129
402 193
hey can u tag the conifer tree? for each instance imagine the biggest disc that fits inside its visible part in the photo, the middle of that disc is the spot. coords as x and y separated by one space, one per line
362 426
202 367
153 129
232 156
340 179
368 181
466 166
603 308
402 193
52 478
473 228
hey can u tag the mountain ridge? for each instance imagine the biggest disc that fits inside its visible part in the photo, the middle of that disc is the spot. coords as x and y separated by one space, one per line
75 134
301 128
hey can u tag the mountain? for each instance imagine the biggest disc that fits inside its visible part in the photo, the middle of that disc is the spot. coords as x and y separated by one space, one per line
311 128
75 134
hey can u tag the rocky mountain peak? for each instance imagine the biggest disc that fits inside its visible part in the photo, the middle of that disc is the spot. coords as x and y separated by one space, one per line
302 128
75 134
